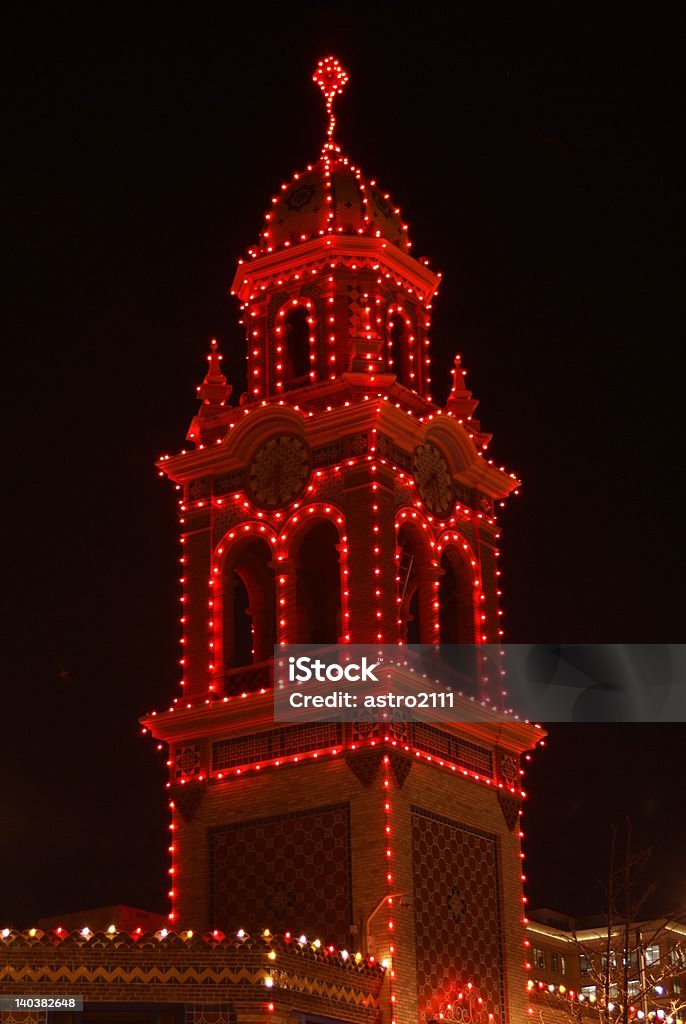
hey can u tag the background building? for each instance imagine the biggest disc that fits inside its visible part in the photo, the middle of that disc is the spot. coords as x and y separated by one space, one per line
569 963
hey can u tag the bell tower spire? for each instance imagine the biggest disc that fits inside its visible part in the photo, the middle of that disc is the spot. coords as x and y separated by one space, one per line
337 503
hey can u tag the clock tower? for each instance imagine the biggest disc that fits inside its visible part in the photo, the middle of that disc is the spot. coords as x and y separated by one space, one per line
336 502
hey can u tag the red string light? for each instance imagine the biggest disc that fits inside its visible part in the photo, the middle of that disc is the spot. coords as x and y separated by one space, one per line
390 883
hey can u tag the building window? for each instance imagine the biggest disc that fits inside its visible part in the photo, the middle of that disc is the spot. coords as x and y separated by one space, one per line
248 604
455 599
539 958
633 988
296 344
652 955
676 987
415 588
584 964
632 962
677 956
400 359
318 585
588 991
557 963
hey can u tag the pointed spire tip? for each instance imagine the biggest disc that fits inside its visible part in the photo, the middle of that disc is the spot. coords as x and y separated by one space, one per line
331 77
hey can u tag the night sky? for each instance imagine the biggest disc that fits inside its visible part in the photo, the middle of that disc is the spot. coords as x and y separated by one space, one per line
536 162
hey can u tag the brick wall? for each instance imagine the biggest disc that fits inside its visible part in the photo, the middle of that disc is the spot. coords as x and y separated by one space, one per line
294 798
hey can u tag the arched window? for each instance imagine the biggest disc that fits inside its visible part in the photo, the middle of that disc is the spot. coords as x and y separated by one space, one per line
413 621
415 574
296 345
457 631
400 348
456 599
318 585
248 605
396 344
240 650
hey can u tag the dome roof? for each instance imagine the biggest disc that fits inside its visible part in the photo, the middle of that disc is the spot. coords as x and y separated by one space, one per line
331 197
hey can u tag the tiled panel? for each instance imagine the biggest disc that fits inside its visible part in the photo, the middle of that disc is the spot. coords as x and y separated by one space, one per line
284 873
457 904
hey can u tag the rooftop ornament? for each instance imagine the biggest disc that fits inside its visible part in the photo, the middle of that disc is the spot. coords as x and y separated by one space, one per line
331 78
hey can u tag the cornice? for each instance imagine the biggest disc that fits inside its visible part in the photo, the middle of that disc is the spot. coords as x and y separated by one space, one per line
251 272
255 713
327 426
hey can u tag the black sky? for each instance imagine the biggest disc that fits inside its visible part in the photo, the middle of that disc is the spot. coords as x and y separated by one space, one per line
534 154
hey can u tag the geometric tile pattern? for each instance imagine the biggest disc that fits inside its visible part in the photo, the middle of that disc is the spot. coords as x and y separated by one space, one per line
266 746
292 871
22 1017
210 1016
508 768
456 889
462 752
186 759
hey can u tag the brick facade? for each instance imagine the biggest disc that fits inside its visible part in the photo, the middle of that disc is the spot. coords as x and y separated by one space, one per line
304 845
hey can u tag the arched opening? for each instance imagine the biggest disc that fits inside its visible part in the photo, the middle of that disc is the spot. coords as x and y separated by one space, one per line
413 627
457 630
248 605
318 585
398 349
456 600
416 575
296 345
242 653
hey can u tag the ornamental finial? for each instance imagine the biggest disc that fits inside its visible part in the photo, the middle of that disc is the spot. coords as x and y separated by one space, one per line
214 390
331 77
214 372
